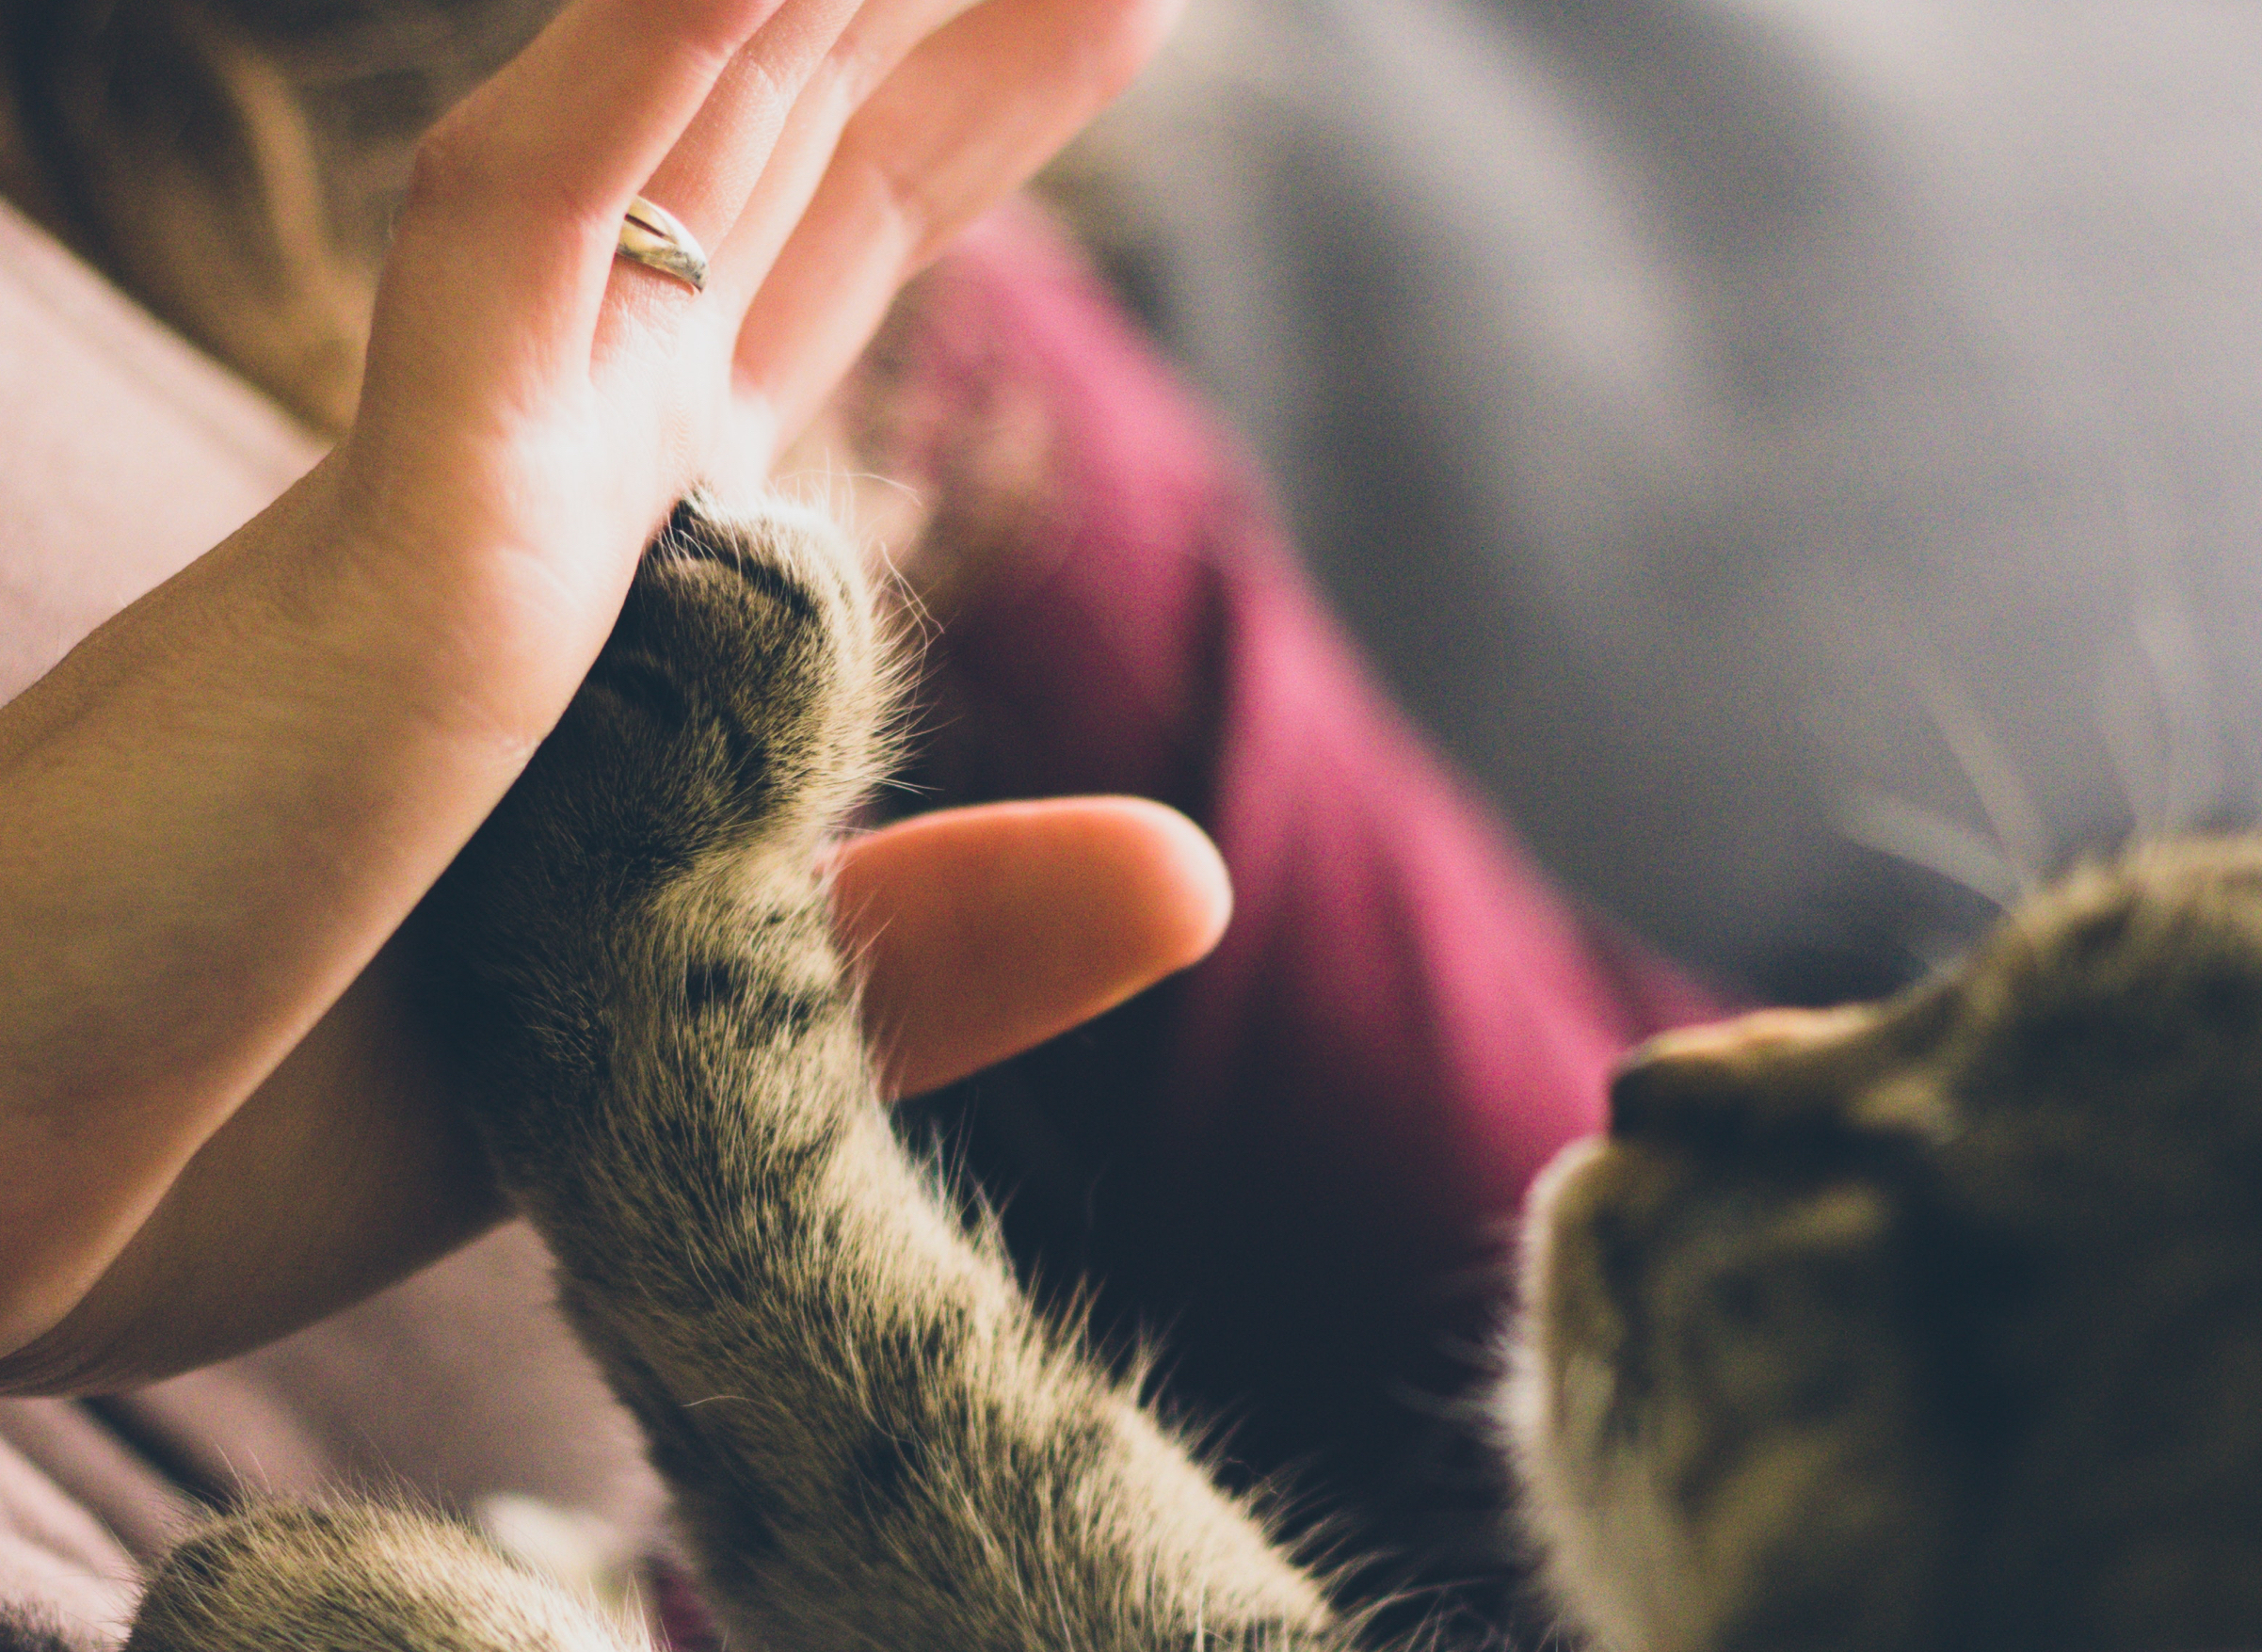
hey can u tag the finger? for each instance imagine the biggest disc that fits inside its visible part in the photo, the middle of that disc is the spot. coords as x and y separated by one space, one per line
744 171
967 117
754 155
525 183
868 49
749 133
985 931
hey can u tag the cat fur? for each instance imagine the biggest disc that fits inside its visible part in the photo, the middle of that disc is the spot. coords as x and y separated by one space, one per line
1936 1324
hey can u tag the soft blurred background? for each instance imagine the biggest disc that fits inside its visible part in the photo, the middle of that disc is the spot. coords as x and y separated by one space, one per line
1799 455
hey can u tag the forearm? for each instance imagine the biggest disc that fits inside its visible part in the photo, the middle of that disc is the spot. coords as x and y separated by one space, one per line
214 814
348 1170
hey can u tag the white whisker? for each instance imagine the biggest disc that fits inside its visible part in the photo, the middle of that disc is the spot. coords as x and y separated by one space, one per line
2022 836
1925 838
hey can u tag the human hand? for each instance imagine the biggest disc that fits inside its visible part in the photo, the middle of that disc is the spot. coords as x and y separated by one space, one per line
214 812
535 442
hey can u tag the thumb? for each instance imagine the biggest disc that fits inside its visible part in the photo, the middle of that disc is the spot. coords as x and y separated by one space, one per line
984 931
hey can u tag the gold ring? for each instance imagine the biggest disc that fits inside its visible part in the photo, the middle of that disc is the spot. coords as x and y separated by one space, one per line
656 238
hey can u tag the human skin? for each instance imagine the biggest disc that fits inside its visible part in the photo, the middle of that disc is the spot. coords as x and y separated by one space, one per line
220 1120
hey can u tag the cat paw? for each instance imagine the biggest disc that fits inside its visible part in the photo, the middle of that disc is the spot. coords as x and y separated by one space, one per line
738 708
744 688
359 1580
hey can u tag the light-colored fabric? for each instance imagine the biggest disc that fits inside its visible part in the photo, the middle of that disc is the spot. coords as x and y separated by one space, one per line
457 1384
457 1387
1798 454
123 452
107 1482
55 1556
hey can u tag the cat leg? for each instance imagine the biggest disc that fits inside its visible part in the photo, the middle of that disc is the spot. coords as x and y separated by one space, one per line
873 1439
359 1580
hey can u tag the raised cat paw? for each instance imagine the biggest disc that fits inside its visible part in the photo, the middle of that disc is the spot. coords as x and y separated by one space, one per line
654 863
735 710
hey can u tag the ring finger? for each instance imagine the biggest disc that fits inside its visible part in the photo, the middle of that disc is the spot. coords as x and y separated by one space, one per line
745 168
